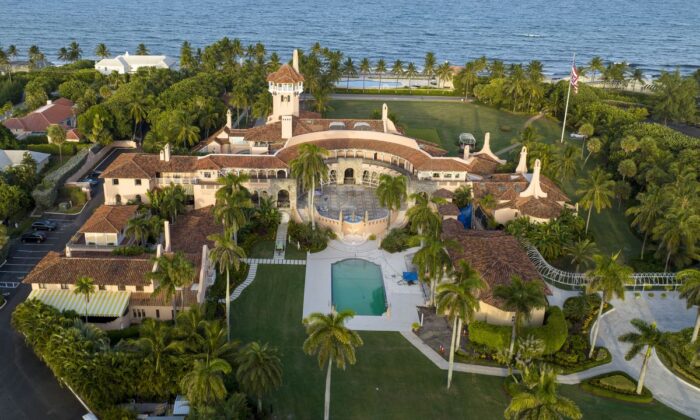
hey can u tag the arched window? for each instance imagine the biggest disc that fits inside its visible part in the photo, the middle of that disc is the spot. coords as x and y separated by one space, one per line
283 198
281 174
118 199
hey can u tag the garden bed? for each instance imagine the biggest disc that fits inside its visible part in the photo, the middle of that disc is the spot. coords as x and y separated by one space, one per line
678 354
617 385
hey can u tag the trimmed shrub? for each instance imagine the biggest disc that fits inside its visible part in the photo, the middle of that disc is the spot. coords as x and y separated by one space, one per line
313 240
129 250
115 336
617 385
493 336
45 193
399 240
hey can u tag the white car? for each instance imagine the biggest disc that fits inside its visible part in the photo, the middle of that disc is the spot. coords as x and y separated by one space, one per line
577 136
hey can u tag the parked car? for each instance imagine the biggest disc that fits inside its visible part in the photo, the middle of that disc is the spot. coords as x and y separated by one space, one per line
90 180
36 237
577 136
44 225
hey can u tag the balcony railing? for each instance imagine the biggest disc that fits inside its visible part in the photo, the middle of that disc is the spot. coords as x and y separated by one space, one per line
177 181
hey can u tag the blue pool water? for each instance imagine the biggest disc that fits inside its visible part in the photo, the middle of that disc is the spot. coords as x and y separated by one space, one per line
357 285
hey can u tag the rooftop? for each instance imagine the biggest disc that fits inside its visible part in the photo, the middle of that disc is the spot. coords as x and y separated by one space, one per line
108 219
285 74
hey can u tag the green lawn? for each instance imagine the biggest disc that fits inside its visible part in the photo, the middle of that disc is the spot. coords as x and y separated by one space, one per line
263 249
442 122
391 379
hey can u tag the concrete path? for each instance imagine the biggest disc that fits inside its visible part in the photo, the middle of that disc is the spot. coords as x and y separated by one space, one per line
281 236
280 261
527 124
252 271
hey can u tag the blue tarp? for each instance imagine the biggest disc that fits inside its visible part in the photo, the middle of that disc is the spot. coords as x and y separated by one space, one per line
410 276
465 216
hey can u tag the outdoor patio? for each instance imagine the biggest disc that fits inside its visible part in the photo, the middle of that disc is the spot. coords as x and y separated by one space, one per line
353 200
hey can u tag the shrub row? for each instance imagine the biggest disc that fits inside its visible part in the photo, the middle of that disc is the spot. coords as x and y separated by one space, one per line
45 193
553 332
398 240
129 250
68 149
400 91
596 386
313 240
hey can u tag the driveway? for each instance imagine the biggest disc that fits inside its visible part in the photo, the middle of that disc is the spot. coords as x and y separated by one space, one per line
670 314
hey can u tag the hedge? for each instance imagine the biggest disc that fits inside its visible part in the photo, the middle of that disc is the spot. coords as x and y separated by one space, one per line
595 386
553 332
401 91
46 192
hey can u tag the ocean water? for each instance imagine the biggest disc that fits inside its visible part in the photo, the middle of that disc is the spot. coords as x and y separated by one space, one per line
649 34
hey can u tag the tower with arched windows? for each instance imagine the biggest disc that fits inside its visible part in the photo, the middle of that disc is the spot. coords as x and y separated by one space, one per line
286 86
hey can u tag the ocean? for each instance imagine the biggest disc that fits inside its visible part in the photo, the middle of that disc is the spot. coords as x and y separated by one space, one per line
652 35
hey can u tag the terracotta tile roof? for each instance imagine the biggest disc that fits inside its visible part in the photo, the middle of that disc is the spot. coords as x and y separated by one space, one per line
482 164
147 299
500 186
309 114
285 74
108 219
496 255
38 120
448 209
444 164
191 229
443 193
141 165
108 271
541 208
241 161
432 149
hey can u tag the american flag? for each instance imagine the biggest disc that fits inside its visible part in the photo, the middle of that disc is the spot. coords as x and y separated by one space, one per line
574 78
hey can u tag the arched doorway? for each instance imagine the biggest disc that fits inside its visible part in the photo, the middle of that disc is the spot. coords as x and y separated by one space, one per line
283 198
365 177
349 176
118 199
281 174
332 177
255 198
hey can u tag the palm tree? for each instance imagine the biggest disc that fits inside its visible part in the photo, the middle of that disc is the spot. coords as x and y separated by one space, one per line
462 196
444 73
171 202
433 263
391 192
645 214
63 54
542 401
57 135
138 113
581 252
365 69
459 300
521 297
173 272
637 77
596 191
609 277
411 73
422 216
235 407
102 51
5 66
259 370
596 65
11 53
204 384
648 335
35 56
330 340
309 168
565 164
429 65
74 51
85 286
380 69
187 134
678 228
516 84
156 341
349 70
690 291
138 229
141 49
231 183
226 254
233 212
470 77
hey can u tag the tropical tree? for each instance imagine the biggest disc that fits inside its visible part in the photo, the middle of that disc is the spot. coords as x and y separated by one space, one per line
647 336
226 254
138 112
138 229
85 286
411 73
675 97
235 407
459 301
429 65
462 196
565 164
581 252
102 51
331 341
397 70
171 202
677 232
690 291
609 277
596 65
173 272
310 169
365 69
542 401
349 70
444 73
422 216
204 384
141 49
57 136
156 342
259 370
645 214
380 69
391 192
99 134
594 146
433 262
186 133
74 51
233 212
637 76
595 191
627 168
63 54
516 83
521 297
586 130
35 56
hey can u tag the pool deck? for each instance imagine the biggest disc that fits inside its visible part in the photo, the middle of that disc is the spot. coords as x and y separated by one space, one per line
402 299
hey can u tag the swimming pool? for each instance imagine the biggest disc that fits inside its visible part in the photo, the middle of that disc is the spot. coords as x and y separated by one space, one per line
357 285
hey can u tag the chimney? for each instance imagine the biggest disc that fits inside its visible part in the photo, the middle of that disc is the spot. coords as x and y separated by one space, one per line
534 189
229 118
286 127
466 151
166 230
159 251
49 102
204 271
295 60
165 153
487 144
385 116
522 164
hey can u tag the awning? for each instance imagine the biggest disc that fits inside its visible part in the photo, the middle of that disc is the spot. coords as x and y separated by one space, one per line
102 303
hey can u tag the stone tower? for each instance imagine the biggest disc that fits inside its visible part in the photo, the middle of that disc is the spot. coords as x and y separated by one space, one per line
286 86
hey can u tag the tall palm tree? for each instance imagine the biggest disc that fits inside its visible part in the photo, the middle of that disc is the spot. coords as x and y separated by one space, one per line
596 65
609 277
365 69
429 65
470 77
521 297
233 212
171 202
186 133
173 273
648 335
565 164
516 83
459 300
397 70
12 53
690 291
380 69
331 341
391 192
645 214
156 341
542 401
433 263
138 113
63 54
259 370
637 77
102 51
138 229
35 56
596 191
462 196
74 51
411 73
230 184
235 407
141 49
581 252
310 169
422 215
85 286
226 254
444 73
210 342
57 135
349 70
204 383
5 66
677 231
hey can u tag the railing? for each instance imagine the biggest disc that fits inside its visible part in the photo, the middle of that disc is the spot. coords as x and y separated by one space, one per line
579 280
177 181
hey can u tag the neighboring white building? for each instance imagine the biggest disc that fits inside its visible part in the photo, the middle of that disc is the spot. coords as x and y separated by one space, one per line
126 63
10 158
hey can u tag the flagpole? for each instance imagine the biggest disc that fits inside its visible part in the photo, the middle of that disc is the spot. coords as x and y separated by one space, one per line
568 94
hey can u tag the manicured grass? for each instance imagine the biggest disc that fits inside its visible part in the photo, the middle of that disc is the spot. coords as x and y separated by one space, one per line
424 119
391 380
294 253
264 248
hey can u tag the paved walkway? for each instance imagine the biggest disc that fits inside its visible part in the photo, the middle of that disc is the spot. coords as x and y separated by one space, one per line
281 261
253 270
280 237
527 124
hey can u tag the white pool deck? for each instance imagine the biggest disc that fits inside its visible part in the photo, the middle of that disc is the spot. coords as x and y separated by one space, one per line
401 298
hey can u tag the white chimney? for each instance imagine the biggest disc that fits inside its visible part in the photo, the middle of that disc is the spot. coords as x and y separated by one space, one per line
287 127
229 118
159 251
49 102
295 60
534 189
166 230
522 164
165 153
487 144
204 270
385 116
466 151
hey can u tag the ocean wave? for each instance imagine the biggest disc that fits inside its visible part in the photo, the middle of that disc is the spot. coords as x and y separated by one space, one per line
530 35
